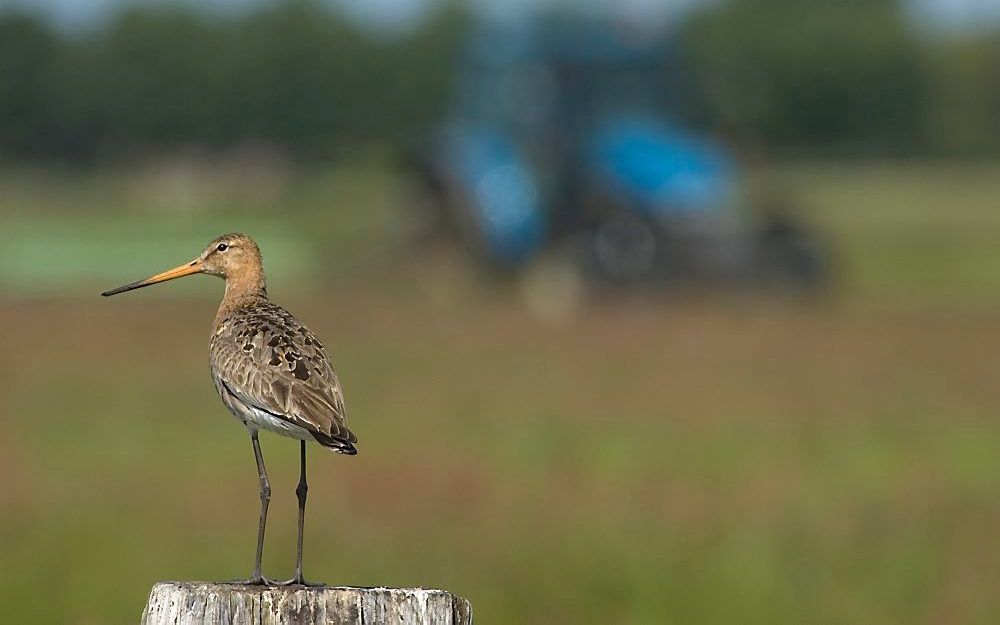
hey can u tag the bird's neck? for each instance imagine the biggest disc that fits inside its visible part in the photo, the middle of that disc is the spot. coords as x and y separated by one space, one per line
242 288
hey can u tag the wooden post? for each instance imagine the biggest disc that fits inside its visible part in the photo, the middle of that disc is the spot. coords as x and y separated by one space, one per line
203 603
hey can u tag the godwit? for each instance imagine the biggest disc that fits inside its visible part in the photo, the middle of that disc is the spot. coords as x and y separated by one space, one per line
270 370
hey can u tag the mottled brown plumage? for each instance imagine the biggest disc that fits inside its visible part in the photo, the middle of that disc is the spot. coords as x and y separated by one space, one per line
264 360
270 370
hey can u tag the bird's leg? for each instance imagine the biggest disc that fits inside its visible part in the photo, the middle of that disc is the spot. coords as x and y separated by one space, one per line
300 492
265 497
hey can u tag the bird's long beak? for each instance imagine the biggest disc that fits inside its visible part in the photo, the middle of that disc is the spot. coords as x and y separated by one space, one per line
177 272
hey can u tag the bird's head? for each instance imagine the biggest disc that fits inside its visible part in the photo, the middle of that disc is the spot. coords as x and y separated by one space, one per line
231 256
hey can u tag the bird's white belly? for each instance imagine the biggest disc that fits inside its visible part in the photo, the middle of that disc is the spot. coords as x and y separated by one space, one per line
257 419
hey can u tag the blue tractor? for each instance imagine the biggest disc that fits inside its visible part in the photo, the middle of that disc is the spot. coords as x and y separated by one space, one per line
559 138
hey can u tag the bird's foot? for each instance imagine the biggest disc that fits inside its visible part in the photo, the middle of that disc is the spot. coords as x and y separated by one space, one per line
256 580
298 580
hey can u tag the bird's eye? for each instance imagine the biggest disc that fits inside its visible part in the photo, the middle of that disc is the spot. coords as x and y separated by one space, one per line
222 247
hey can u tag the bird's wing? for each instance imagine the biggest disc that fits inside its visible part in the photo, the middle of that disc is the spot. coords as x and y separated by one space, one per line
269 360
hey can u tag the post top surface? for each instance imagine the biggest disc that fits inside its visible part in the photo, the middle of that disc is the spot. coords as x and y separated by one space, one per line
239 587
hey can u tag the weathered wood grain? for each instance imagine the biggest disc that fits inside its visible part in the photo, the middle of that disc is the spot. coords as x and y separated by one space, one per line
197 603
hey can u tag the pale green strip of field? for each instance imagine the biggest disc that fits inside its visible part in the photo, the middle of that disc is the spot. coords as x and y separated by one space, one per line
913 233
75 233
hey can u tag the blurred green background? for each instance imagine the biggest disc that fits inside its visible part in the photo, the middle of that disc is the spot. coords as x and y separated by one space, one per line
694 457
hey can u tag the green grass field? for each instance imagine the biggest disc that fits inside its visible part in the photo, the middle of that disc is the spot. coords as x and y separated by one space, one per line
663 460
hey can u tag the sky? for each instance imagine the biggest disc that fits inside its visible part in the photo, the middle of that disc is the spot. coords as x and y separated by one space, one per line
378 14
957 14
390 16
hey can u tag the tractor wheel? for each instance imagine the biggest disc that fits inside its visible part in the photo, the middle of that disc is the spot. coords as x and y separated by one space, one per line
789 257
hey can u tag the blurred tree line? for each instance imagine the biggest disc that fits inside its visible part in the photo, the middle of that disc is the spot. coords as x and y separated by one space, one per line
807 76
291 74
850 77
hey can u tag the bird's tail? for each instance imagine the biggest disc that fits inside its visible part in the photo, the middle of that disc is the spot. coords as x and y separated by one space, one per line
339 443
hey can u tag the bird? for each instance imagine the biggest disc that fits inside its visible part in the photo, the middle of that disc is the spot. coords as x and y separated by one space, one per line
270 370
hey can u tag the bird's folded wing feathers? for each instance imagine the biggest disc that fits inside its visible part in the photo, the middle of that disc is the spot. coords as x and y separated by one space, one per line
280 367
